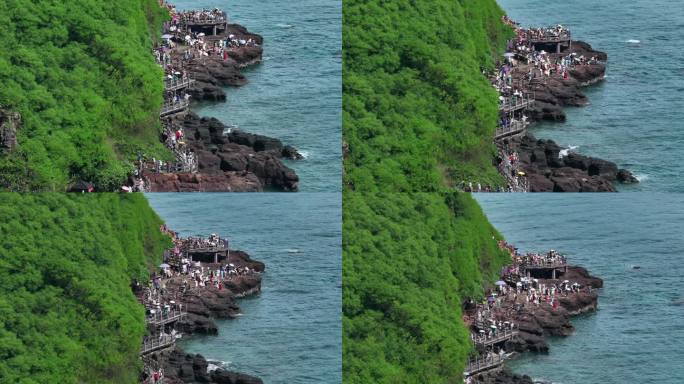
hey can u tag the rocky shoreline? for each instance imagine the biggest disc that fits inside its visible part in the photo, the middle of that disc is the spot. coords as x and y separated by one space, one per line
535 323
196 294
203 308
545 169
224 158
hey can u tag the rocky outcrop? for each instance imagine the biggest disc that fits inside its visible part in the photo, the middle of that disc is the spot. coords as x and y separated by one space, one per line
548 172
504 376
211 73
239 152
535 323
203 182
552 95
10 122
184 368
202 307
208 304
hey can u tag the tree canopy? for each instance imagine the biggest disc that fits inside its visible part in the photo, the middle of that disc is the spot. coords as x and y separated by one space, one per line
82 76
418 113
418 118
67 311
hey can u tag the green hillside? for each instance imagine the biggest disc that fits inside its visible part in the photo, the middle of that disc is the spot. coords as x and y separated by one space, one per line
409 262
418 113
419 118
82 76
67 312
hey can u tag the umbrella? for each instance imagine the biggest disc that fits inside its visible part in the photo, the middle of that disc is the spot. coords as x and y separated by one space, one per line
167 37
500 282
164 266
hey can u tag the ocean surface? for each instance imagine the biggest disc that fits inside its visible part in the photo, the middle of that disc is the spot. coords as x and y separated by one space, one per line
295 95
292 332
636 117
636 335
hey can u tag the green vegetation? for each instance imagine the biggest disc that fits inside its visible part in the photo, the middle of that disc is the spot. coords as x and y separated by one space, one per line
83 78
419 118
418 113
67 312
409 262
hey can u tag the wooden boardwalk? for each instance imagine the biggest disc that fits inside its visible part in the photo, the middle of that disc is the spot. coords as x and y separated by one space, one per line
157 344
160 319
169 109
511 104
500 337
171 85
483 363
528 269
515 128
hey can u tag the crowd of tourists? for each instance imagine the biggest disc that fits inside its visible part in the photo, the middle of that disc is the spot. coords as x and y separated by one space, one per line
213 241
493 319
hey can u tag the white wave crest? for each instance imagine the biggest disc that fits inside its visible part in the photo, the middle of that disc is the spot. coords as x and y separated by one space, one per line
632 41
641 177
564 152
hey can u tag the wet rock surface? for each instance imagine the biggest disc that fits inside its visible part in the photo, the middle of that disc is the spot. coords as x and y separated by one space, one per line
237 161
548 172
185 368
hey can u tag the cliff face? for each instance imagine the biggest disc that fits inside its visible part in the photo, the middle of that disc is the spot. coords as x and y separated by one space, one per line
67 313
81 75
419 117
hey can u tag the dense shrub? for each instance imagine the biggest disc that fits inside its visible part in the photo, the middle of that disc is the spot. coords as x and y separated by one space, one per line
419 117
418 113
82 76
67 312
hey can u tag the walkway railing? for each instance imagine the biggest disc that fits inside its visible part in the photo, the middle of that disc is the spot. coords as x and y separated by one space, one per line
173 108
544 265
177 84
549 38
209 20
511 104
161 318
512 129
157 343
483 363
499 337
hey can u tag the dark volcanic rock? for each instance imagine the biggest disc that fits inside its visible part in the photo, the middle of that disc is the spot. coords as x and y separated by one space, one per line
547 171
221 376
203 182
239 152
625 177
185 368
555 93
503 376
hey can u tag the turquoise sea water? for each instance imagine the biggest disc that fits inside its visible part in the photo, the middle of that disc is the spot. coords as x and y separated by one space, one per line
636 116
292 332
636 336
295 95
